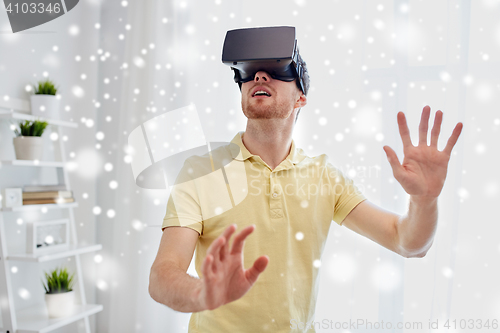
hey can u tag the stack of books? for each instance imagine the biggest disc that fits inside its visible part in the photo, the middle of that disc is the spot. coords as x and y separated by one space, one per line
46 194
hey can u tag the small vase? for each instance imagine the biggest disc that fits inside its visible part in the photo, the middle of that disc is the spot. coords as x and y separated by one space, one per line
28 147
45 106
61 304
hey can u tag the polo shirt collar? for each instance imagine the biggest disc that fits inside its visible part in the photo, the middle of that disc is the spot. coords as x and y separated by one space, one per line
296 154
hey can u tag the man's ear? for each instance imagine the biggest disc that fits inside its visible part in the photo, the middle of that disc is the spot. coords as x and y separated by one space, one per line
301 101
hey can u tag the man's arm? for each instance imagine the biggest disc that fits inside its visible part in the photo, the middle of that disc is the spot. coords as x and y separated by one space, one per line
169 283
224 277
422 175
410 235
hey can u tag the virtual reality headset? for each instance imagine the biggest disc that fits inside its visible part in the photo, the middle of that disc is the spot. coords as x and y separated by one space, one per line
270 49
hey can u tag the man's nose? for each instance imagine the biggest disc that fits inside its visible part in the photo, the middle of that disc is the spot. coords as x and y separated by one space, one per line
262 76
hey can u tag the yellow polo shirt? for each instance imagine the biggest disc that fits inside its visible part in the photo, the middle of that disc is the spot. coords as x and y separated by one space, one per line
292 208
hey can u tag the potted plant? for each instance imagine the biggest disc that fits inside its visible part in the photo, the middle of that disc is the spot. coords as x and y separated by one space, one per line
28 143
59 293
44 101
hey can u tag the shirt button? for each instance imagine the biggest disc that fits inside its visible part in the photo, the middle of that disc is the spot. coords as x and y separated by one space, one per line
275 195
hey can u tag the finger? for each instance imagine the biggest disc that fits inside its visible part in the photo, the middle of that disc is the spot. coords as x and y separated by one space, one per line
436 129
214 250
239 239
424 126
453 139
403 130
227 235
258 267
206 267
393 160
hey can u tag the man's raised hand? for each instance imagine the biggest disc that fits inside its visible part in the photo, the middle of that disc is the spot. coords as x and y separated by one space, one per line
423 171
224 277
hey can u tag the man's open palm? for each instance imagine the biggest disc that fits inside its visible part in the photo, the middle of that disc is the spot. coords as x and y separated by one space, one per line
224 277
424 167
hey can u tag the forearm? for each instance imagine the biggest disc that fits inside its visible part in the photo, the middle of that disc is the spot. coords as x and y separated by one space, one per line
416 229
174 288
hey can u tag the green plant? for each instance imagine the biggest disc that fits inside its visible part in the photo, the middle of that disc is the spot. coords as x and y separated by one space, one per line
31 128
46 87
58 281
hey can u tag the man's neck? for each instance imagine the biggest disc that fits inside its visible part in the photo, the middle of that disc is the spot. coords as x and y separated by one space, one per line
271 141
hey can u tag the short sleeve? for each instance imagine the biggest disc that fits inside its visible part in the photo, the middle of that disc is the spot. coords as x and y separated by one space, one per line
345 194
183 208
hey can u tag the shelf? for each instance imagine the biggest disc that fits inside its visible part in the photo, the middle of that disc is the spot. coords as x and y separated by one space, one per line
26 208
32 163
26 116
69 251
35 319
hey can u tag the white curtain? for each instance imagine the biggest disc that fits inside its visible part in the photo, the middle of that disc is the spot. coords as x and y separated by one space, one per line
139 80
367 61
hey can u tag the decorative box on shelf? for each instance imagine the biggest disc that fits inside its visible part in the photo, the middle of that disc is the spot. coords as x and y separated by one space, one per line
47 236
12 197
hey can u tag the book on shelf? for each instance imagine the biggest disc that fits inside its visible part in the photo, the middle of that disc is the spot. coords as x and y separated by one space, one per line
38 188
47 195
47 201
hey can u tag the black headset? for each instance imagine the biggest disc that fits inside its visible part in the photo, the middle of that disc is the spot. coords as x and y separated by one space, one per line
270 49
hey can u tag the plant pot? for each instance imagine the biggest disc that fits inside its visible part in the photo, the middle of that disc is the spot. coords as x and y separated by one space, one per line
28 147
61 304
45 106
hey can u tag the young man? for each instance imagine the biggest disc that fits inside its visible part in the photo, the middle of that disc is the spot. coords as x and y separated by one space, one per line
289 219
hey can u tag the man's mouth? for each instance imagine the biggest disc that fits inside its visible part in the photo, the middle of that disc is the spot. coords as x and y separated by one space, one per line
261 93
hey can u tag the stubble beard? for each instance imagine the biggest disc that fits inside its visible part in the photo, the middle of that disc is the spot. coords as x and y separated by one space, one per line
257 110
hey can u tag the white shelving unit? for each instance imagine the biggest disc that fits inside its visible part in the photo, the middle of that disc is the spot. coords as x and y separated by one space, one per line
33 163
27 208
35 319
70 251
